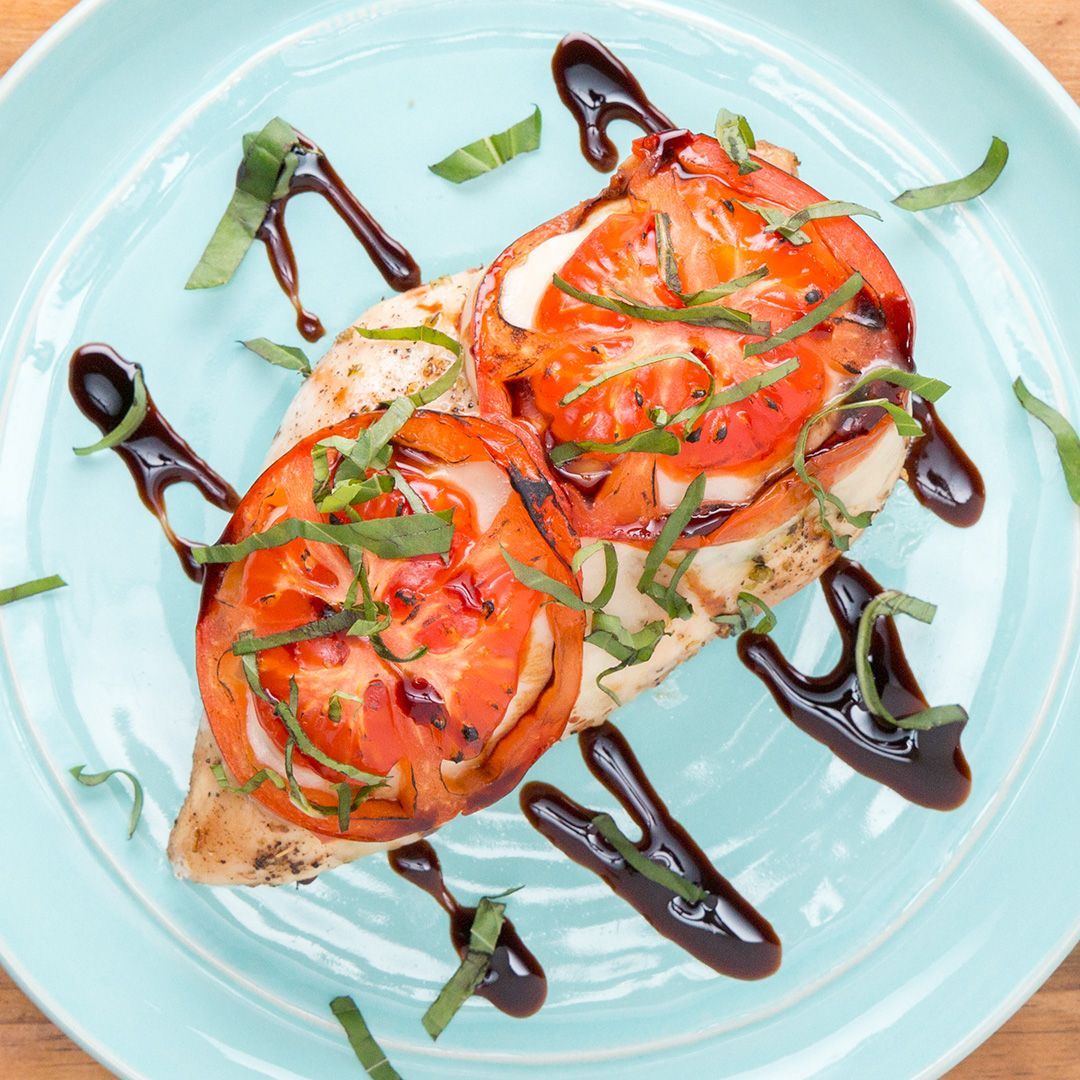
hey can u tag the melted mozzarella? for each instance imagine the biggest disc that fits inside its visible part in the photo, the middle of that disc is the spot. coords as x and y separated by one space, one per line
484 481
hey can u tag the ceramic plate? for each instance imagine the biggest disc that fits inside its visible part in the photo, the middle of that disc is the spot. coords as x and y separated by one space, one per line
908 934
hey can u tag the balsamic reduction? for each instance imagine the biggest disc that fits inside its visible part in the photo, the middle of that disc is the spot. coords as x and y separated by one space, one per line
315 173
941 476
515 982
723 931
103 385
597 87
926 767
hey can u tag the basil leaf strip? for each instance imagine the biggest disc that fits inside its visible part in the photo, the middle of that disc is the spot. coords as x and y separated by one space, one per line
713 315
585 387
737 392
744 620
665 253
888 603
736 138
429 335
246 644
93 779
906 424
390 538
954 191
351 492
676 606
637 860
263 776
488 153
848 291
789 226
376 619
283 356
368 1052
483 937
31 588
609 633
1068 443
538 581
129 422
649 441
268 163
707 296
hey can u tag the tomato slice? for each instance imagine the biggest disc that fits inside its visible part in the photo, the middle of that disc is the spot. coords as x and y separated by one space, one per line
608 247
453 729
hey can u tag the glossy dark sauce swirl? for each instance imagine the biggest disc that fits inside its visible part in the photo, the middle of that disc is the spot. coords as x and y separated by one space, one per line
515 982
723 931
941 476
314 173
103 385
926 767
597 88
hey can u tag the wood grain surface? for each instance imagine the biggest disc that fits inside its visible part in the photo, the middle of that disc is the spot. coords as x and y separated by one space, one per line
1042 1040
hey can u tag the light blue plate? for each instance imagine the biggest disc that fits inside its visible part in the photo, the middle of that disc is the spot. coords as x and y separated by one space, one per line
909 935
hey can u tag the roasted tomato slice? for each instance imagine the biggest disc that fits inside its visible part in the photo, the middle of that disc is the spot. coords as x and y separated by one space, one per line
532 344
453 729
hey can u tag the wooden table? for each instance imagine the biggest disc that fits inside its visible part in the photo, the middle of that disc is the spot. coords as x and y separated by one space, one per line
1042 1040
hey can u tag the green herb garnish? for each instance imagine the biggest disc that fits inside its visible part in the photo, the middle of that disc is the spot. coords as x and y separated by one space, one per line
714 315
93 779
368 1052
129 422
667 596
605 825
268 164
968 187
744 620
31 588
665 253
848 291
325 627
537 580
906 425
390 538
585 387
654 440
263 776
430 336
707 296
789 226
488 153
888 603
628 647
736 137
1068 443
283 356
483 937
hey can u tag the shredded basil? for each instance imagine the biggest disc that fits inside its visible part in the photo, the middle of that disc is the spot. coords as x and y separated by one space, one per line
31 588
707 296
736 137
368 1052
954 191
884 604
283 356
483 937
490 152
376 619
129 422
268 163
402 537
789 226
676 606
629 648
746 602
325 627
848 291
429 335
665 254
585 387
637 860
538 581
93 779
1068 443
650 441
263 776
906 425
713 315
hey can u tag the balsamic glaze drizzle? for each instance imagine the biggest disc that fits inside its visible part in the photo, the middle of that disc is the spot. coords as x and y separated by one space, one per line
597 87
103 385
515 982
941 476
315 173
723 931
926 767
